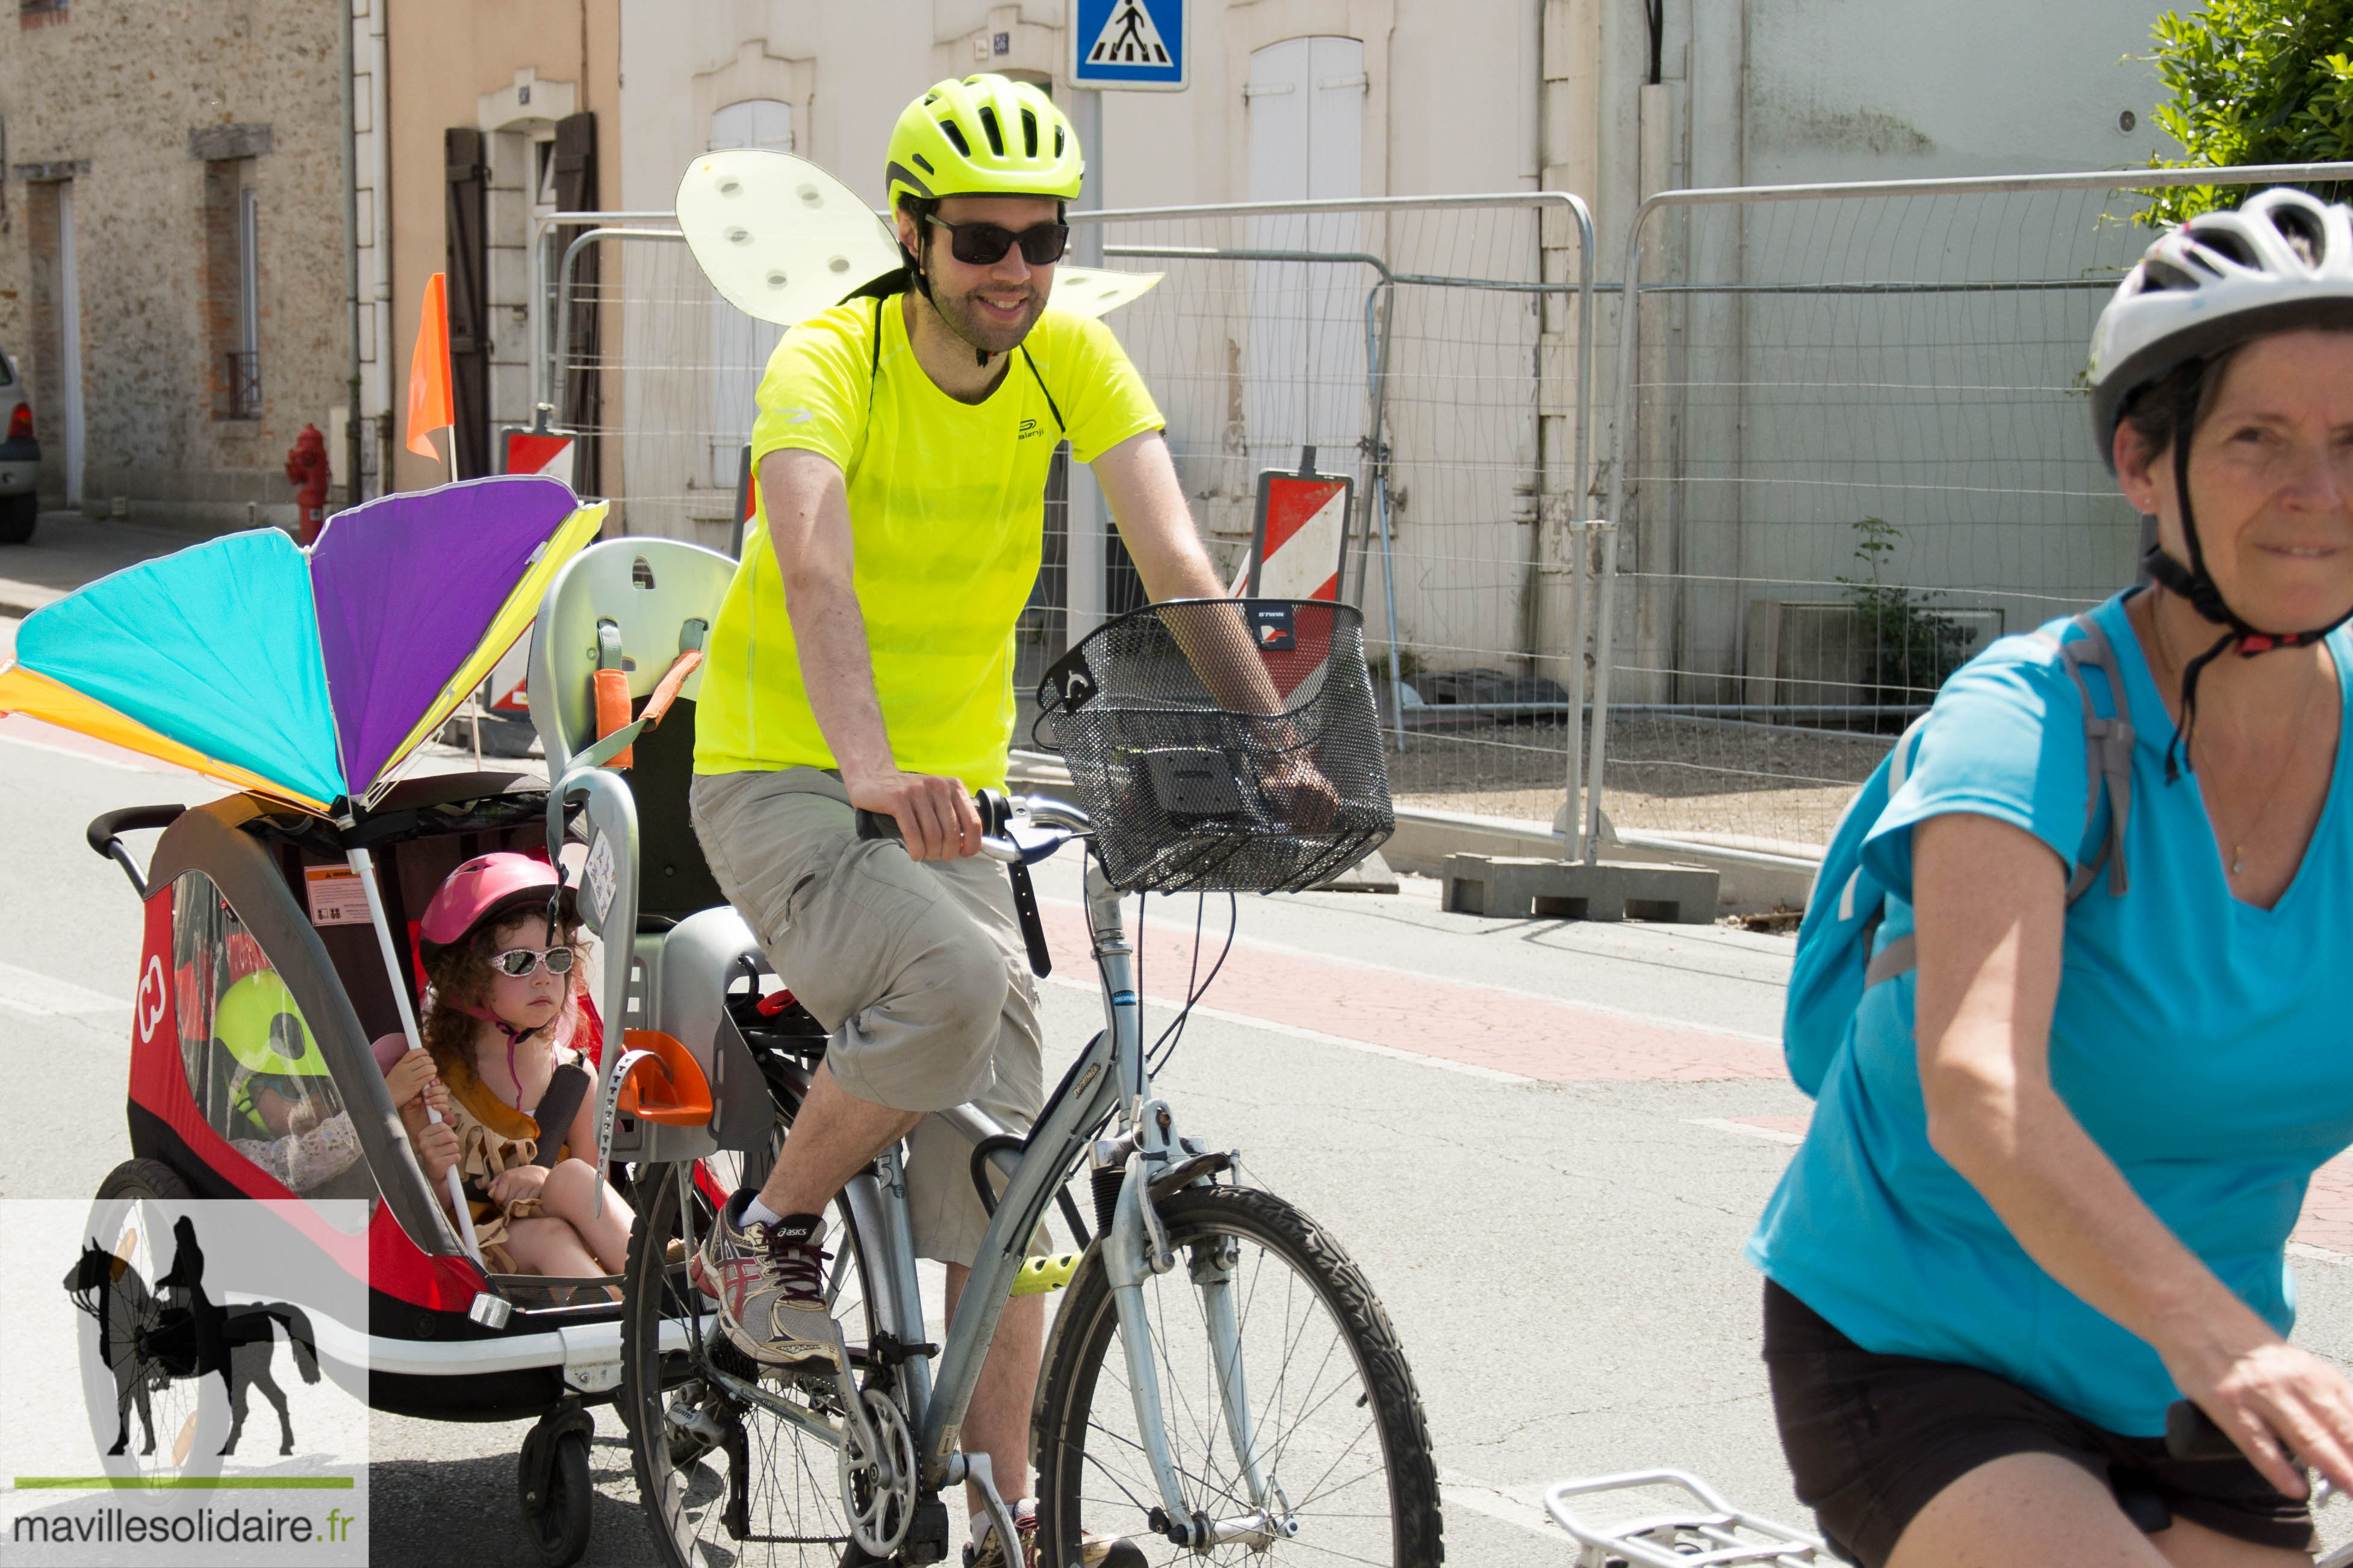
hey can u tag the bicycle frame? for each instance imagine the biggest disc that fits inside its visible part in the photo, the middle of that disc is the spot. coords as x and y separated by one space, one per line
1110 1080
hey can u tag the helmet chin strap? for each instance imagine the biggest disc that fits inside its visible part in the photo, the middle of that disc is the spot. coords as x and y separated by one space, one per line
515 1035
2197 587
981 356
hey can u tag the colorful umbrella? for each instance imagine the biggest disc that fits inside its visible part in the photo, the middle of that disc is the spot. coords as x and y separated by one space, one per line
306 676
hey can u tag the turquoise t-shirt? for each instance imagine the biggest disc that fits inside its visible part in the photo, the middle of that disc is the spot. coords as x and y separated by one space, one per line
2200 1041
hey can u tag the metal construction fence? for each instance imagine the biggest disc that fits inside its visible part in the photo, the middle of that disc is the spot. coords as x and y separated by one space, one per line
1851 447
1840 441
1435 350
676 364
1438 350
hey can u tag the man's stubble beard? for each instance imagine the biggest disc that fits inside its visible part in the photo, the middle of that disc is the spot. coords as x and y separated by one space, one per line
964 318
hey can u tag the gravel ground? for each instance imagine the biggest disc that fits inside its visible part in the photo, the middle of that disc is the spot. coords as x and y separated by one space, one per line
1663 774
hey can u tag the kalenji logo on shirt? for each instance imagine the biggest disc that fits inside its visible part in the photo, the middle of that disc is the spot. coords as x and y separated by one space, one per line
798 416
1029 428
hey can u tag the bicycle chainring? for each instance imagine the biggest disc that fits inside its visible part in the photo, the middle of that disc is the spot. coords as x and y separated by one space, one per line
879 1515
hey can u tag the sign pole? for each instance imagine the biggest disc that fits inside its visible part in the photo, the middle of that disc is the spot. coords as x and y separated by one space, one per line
1086 519
1124 46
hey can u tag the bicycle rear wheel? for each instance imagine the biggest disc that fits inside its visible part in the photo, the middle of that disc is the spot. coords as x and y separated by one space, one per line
1335 1416
725 1480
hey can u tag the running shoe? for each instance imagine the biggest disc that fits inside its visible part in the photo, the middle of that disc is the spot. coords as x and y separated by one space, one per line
769 1282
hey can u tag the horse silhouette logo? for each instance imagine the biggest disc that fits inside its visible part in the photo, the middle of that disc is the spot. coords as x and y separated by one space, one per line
149 1338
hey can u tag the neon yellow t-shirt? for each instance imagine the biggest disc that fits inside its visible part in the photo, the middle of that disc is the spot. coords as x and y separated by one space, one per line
947 521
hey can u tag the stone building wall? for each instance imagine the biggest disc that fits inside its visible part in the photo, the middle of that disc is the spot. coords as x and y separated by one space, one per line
151 121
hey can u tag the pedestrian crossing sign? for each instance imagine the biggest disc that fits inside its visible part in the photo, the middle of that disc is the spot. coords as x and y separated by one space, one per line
1129 44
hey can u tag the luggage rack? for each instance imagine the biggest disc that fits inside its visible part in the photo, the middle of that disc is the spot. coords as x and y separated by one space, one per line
1714 1534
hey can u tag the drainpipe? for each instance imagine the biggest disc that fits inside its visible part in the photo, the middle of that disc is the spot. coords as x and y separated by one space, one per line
380 181
351 423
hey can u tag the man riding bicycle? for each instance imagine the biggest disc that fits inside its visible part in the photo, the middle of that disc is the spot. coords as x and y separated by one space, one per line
862 660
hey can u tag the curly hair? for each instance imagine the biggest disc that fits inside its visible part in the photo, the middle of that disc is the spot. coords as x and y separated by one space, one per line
461 975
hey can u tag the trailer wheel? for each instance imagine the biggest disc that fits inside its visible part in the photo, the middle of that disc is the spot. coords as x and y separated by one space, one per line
556 1504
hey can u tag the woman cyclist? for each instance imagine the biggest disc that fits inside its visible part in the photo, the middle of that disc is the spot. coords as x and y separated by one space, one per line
2050 1183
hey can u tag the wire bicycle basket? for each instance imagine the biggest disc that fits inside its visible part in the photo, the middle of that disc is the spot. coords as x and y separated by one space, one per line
1224 745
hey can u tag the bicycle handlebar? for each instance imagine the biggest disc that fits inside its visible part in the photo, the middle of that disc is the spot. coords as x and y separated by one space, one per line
105 836
1062 822
998 813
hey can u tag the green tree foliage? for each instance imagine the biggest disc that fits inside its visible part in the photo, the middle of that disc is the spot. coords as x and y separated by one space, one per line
2254 81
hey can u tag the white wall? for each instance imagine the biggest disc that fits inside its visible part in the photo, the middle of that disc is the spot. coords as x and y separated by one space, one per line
1845 89
1456 100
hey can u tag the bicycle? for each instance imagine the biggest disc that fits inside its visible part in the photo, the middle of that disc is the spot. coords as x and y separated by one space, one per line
1220 1379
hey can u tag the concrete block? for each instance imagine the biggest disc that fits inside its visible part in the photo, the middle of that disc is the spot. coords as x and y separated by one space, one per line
1369 874
1516 889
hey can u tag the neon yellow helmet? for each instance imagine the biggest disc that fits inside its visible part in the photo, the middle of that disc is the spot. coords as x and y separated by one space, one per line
987 135
261 1026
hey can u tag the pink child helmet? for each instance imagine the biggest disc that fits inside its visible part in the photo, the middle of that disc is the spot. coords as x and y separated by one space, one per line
481 886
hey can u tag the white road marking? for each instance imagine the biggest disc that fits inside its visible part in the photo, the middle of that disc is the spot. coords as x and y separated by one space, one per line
22 990
1523 1509
1770 1134
1493 1075
82 756
2317 1254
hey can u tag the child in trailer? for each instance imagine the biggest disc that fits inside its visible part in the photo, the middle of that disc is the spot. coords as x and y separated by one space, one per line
502 1024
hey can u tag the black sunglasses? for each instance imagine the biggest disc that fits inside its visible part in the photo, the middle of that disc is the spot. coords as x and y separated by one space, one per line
984 244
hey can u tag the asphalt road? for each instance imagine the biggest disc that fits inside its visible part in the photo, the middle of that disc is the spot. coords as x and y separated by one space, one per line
1545 1142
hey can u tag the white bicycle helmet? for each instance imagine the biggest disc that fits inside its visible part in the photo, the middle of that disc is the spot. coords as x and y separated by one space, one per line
2282 262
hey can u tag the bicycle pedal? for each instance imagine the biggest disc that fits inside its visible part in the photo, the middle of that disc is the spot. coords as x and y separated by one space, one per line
1038 1276
728 1356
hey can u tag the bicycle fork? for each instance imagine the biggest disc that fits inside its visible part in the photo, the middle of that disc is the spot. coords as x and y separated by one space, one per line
1137 1248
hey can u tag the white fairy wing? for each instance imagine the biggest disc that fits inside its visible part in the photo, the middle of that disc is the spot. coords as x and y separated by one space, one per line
780 240
779 237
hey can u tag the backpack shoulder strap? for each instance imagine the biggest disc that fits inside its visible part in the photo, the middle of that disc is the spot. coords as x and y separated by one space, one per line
2107 752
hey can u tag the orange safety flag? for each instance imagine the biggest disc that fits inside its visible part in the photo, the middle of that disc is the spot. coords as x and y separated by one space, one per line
430 406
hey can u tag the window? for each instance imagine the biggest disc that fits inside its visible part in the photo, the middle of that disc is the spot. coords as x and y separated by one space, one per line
1308 370
233 287
544 196
246 386
253 1065
764 122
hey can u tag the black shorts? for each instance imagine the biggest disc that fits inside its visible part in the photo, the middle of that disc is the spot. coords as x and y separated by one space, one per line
1871 1440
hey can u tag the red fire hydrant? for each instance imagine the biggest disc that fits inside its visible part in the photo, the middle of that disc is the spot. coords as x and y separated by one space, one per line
306 466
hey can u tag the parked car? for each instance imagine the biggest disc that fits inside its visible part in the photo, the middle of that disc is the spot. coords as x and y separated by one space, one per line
20 459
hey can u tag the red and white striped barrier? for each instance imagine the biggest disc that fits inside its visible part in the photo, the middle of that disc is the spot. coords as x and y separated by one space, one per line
1300 542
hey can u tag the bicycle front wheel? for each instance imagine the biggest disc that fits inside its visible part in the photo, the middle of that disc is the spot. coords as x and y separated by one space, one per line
1333 1422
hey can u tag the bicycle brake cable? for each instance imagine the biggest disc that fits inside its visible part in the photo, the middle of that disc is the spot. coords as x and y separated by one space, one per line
1166 1046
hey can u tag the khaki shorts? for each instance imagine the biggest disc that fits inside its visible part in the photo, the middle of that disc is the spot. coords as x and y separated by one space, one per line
917 969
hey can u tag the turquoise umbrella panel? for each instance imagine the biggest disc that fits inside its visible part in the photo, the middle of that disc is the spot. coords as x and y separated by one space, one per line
312 669
215 646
